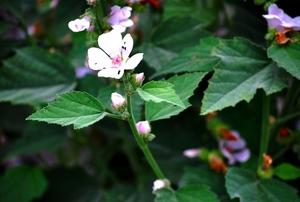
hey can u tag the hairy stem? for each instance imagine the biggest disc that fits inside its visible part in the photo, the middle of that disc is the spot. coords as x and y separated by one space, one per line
140 141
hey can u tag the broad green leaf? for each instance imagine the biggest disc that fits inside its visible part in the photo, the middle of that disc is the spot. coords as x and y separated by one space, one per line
183 8
196 58
184 87
243 69
160 91
191 193
206 176
244 184
287 171
35 76
287 57
155 56
78 108
167 41
22 184
38 137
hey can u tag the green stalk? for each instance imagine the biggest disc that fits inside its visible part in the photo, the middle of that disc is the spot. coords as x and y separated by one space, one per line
264 141
141 143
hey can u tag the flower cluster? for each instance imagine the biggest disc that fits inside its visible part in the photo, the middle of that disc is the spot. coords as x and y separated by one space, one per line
112 56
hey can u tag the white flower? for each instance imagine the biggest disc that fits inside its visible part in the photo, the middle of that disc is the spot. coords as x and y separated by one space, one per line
112 56
234 150
158 184
118 18
79 25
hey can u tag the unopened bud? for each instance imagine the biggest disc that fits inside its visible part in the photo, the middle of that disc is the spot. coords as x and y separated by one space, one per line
143 127
117 101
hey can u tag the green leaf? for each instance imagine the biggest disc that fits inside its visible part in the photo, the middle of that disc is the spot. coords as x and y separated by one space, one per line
38 137
196 58
287 57
160 91
167 40
22 184
78 108
243 69
35 76
183 8
184 86
287 171
191 193
206 176
244 185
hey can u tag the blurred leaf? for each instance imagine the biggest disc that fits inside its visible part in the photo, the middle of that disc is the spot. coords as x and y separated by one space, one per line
22 184
78 108
287 57
72 185
38 137
195 9
167 40
188 193
196 58
287 171
91 84
243 69
206 176
243 184
14 7
184 87
79 49
34 76
156 56
7 47
160 91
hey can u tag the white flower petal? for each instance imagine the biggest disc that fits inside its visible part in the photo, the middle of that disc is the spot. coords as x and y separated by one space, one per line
126 23
97 59
119 28
110 42
115 73
127 46
76 25
133 61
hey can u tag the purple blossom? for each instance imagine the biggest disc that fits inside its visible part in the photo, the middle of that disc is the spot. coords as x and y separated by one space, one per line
278 19
191 153
119 18
234 150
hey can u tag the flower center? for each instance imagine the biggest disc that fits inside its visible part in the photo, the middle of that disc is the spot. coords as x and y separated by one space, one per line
117 60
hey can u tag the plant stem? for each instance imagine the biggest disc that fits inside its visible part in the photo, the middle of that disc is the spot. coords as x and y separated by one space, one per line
141 143
292 95
131 155
265 129
115 116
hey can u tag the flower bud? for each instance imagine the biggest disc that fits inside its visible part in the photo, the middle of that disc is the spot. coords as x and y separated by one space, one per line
191 153
143 127
159 184
118 101
136 80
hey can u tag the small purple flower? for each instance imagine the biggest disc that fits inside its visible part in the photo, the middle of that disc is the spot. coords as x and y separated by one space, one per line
159 184
79 25
117 101
119 18
191 153
82 71
234 150
278 19
143 127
